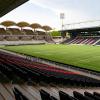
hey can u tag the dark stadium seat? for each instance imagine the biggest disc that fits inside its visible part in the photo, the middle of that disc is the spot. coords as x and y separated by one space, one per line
44 95
19 95
64 96
91 95
81 97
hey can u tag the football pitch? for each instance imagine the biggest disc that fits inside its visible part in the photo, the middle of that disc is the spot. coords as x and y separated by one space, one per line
84 56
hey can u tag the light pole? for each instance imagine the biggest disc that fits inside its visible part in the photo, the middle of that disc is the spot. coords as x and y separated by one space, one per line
62 17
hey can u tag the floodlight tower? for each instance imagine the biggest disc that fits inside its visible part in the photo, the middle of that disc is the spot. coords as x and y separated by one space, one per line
62 17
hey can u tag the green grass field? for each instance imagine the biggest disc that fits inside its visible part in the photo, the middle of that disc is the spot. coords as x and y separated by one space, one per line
83 56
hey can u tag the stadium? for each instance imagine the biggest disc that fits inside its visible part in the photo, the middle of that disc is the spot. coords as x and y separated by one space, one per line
39 63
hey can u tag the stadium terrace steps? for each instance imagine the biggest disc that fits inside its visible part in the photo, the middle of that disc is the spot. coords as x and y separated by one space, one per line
49 39
9 87
5 93
22 42
32 90
25 93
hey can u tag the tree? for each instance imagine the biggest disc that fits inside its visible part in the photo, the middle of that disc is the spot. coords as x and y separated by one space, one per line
55 33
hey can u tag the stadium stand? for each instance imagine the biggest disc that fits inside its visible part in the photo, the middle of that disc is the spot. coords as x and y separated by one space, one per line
15 36
88 36
33 70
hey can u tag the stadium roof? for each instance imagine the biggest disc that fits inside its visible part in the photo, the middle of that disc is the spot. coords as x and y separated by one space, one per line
89 29
8 5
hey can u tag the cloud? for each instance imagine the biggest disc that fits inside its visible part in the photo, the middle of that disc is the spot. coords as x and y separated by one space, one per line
58 6
42 3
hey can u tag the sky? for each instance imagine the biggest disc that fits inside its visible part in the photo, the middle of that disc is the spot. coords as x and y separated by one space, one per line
47 12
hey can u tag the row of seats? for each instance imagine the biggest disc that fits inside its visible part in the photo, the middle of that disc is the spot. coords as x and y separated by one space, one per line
83 40
13 66
47 92
22 38
79 96
21 70
66 96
